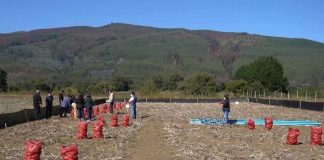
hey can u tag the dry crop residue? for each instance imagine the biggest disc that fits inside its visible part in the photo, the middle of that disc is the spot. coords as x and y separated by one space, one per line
165 133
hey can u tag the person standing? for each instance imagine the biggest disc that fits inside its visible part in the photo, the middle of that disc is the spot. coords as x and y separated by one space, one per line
61 97
111 101
49 105
80 106
88 104
132 102
64 106
225 107
37 102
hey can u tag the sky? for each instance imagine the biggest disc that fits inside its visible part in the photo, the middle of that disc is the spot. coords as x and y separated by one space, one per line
282 18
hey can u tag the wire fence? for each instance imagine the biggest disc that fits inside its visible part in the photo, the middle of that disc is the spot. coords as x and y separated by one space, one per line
313 106
298 95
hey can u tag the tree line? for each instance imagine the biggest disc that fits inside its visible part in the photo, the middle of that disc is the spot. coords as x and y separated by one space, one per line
262 74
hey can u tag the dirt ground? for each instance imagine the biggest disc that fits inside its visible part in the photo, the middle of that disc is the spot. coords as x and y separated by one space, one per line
162 131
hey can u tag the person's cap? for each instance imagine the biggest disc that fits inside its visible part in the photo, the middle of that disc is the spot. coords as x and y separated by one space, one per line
37 91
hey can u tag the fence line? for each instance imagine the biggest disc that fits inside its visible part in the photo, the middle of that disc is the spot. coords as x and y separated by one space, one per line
303 95
313 106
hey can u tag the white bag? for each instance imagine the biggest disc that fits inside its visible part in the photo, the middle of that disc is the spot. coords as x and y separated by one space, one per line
127 106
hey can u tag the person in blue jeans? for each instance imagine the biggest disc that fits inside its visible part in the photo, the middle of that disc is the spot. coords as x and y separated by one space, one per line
225 107
132 102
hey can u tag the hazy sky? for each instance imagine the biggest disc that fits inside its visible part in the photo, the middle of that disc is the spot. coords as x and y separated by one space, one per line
284 18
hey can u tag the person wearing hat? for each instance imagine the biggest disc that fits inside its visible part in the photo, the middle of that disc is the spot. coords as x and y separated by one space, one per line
37 102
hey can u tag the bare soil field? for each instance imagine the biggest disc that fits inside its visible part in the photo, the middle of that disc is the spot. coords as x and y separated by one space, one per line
163 132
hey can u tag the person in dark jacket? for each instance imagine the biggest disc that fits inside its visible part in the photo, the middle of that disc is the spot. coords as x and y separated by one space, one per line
225 107
80 106
61 97
49 105
132 102
37 102
88 104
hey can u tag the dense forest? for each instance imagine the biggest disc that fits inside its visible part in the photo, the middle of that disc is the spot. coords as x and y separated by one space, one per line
123 57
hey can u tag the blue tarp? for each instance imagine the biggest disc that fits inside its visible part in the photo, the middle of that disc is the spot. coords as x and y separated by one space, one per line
217 121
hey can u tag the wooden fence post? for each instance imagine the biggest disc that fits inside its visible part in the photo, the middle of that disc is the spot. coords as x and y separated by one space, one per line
275 94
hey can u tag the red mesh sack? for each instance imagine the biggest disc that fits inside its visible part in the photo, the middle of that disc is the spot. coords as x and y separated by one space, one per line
82 130
120 106
316 136
250 124
97 130
114 106
125 121
86 114
268 123
101 120
292 136
96 110
106 107
102 108
69 152
114 121
33 150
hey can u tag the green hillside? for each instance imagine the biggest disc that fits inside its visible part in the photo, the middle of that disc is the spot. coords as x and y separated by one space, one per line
77 55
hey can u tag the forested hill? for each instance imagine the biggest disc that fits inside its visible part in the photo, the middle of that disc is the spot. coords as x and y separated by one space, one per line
77 55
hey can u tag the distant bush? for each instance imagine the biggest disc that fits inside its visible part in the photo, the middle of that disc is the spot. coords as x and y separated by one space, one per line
120 83
266 72
236 86
200 84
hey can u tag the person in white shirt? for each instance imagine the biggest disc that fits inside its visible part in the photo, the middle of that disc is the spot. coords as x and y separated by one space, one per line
111 101
132 101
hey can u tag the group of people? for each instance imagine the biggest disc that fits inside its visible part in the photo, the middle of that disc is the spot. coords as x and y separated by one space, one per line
37 102
76 105
132 103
